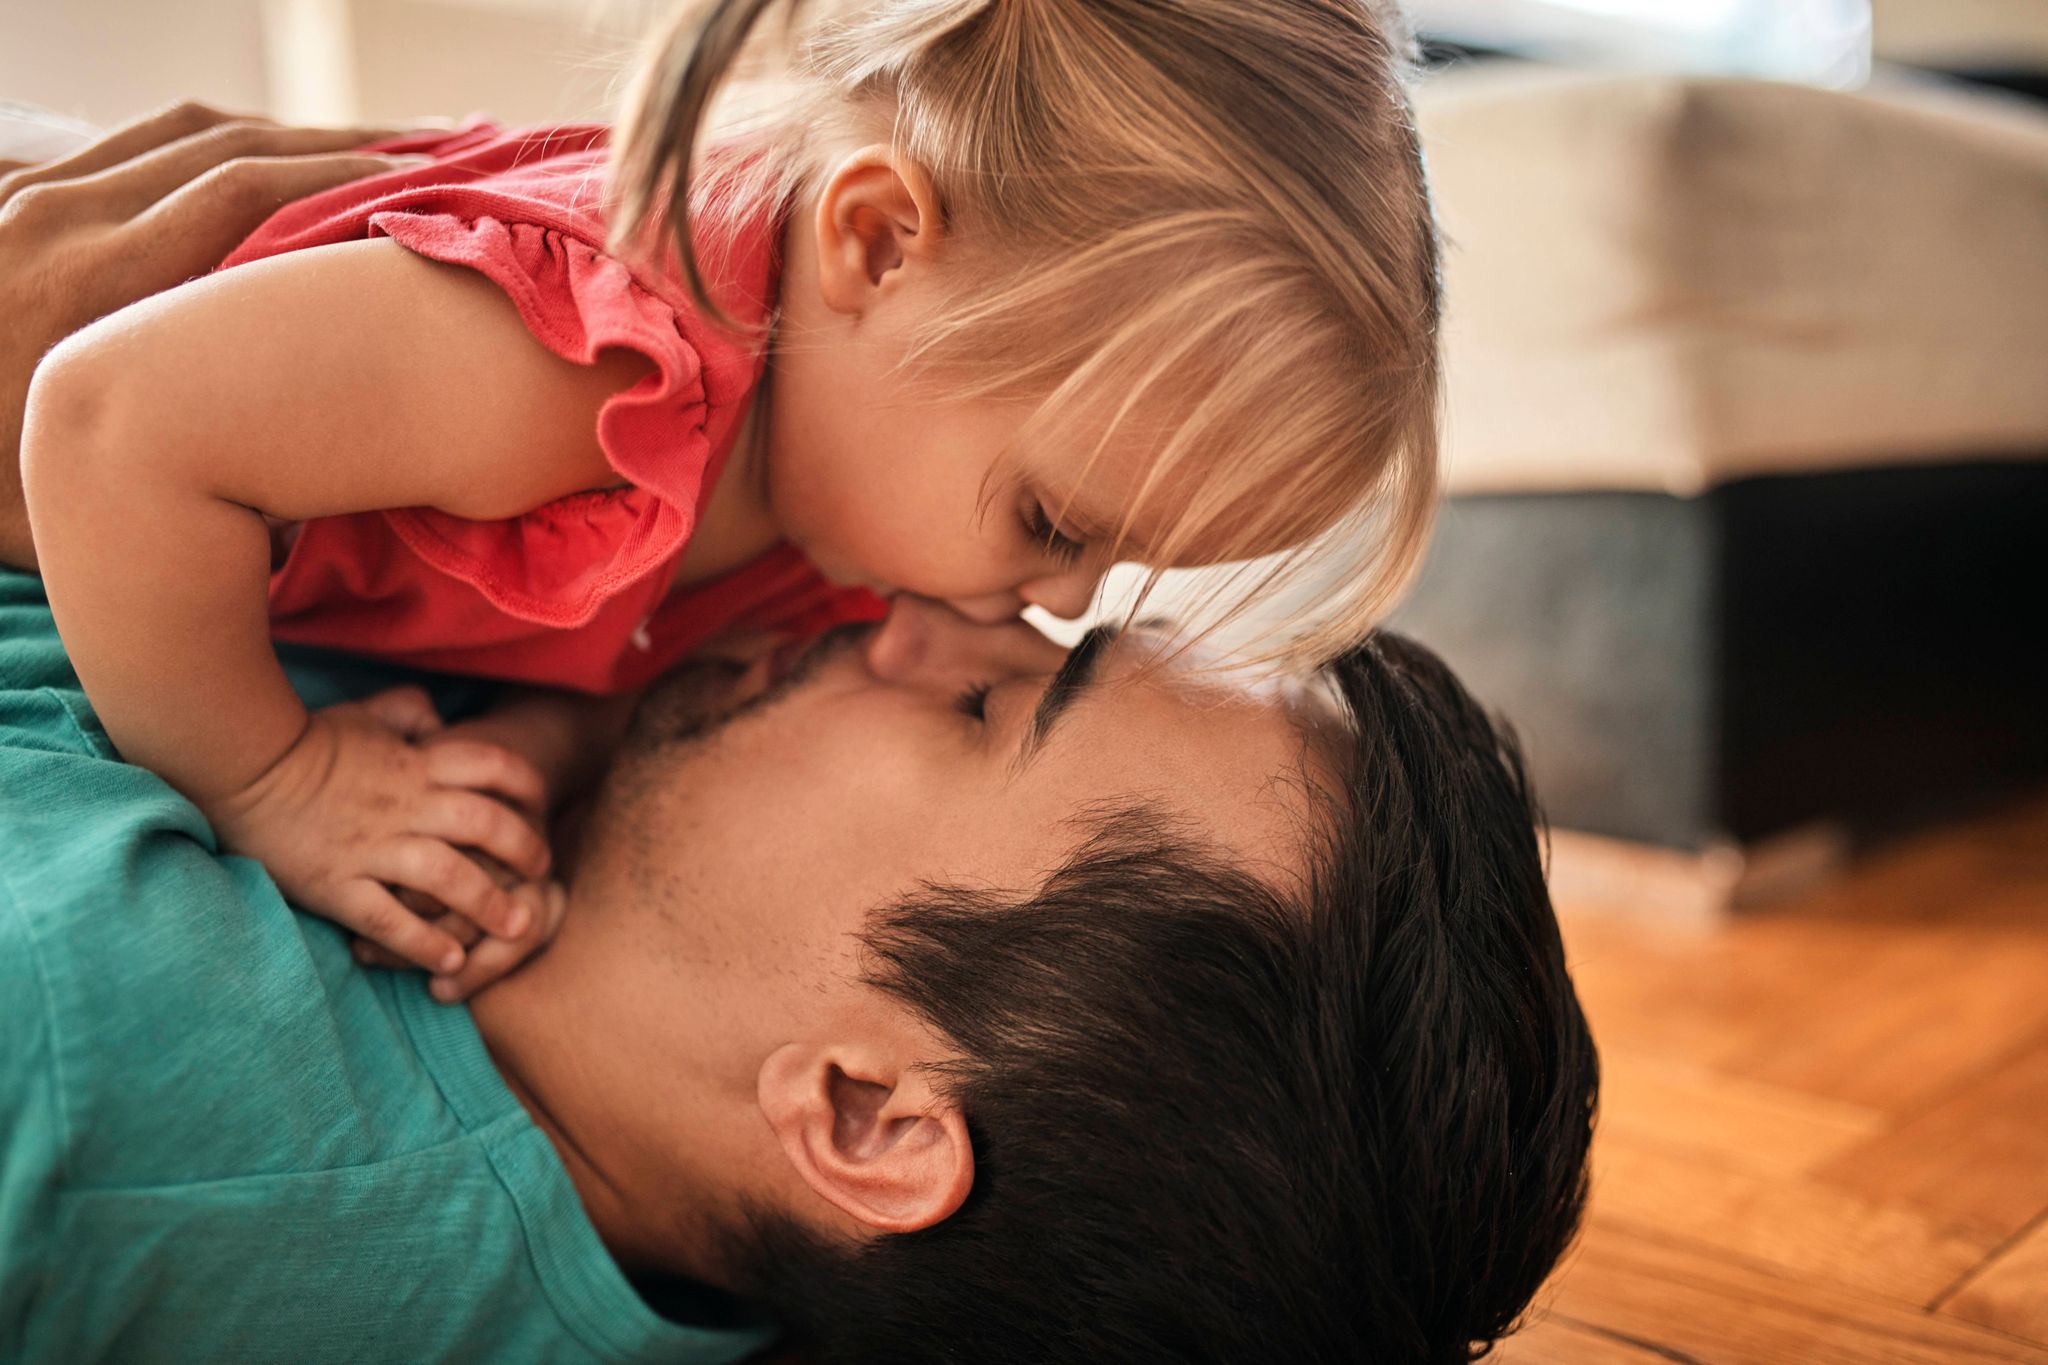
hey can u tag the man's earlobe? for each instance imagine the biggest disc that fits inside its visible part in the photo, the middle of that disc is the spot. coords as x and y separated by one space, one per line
869 1135
875 214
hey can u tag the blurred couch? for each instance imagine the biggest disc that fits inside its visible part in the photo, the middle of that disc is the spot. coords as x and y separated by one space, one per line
1747 444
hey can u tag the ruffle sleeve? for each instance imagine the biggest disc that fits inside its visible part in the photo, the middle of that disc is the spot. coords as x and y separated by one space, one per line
557 564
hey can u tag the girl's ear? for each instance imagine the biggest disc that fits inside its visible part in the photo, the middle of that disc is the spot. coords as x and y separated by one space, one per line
877 221
869 1135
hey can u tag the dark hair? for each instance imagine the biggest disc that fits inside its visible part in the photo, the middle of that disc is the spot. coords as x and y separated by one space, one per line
1217 1121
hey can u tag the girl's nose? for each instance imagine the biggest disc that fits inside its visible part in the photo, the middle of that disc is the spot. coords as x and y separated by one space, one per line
1065 596
927 643
989 609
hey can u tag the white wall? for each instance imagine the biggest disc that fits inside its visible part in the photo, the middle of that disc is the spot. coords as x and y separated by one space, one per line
532 62
103 60
321 60
106 60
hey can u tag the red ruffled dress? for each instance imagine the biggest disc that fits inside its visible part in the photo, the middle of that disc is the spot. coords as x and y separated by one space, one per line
575 593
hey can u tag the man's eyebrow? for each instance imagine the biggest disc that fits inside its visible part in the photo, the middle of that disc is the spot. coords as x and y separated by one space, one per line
1065 689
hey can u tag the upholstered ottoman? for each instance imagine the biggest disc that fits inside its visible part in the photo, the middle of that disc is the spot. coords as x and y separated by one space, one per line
1747 445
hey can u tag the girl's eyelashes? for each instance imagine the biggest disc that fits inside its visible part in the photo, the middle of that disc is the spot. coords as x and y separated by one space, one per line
1039 527
973 702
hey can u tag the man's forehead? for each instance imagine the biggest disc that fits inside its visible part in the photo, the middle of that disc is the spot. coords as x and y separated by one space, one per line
1248 759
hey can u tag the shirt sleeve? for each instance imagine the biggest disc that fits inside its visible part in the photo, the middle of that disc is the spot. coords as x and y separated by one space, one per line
31 1129
558 563
31 655
38 726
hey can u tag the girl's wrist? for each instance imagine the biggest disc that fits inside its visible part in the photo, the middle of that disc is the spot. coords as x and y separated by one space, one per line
297 763
258 760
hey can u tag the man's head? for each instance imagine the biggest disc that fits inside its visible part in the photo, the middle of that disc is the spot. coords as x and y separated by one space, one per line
1099 1014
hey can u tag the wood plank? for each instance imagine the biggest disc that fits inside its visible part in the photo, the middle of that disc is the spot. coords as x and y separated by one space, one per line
1668 991
1820 1120
1978 1158
1883 989
1812 1231
1864 1011
1652 1101
1724 1312
1890 1015
1554 1341
2010 1293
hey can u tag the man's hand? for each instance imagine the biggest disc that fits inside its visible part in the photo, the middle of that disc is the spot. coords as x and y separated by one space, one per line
146 207
358 807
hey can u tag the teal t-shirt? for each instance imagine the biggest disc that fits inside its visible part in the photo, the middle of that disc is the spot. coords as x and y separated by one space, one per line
220 1139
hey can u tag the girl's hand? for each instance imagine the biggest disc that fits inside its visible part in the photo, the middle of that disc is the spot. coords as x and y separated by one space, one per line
490 958
356 808
520 723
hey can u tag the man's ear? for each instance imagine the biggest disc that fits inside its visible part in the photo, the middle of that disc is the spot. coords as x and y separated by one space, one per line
869 1134
876 214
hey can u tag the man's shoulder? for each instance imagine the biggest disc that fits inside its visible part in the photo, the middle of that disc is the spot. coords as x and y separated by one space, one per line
32 658
82 830
184 1004
32 1127
190 1007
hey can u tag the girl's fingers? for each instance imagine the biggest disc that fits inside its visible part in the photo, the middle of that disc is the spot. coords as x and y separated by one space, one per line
373 913
461 928
455 926
495 958
408 711
435 868
458 927
368 954
471 820
485 767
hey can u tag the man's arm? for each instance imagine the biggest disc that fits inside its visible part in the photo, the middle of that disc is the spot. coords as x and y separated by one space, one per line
147 206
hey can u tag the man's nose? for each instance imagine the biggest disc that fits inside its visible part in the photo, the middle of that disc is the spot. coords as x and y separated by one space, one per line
927 643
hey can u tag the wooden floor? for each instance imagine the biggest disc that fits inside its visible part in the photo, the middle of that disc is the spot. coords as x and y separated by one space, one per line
1824 1128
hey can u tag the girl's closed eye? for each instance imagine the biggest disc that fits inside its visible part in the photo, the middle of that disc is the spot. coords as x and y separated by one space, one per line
1038 524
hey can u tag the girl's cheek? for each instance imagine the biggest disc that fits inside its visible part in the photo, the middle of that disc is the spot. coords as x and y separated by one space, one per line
925 560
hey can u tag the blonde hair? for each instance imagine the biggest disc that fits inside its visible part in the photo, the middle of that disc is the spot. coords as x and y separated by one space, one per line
1210 208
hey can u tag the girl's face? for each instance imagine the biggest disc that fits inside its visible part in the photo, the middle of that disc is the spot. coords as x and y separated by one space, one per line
883 484
896 491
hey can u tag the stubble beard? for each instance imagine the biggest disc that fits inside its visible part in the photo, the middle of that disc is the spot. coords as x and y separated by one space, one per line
687 707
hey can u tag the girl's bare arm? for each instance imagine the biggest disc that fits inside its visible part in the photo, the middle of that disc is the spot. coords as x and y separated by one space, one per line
333 380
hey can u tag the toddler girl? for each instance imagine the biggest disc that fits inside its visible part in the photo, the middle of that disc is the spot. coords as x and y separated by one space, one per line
999 293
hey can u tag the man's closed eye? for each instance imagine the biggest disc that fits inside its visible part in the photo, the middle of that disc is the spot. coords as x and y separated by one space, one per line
973 702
